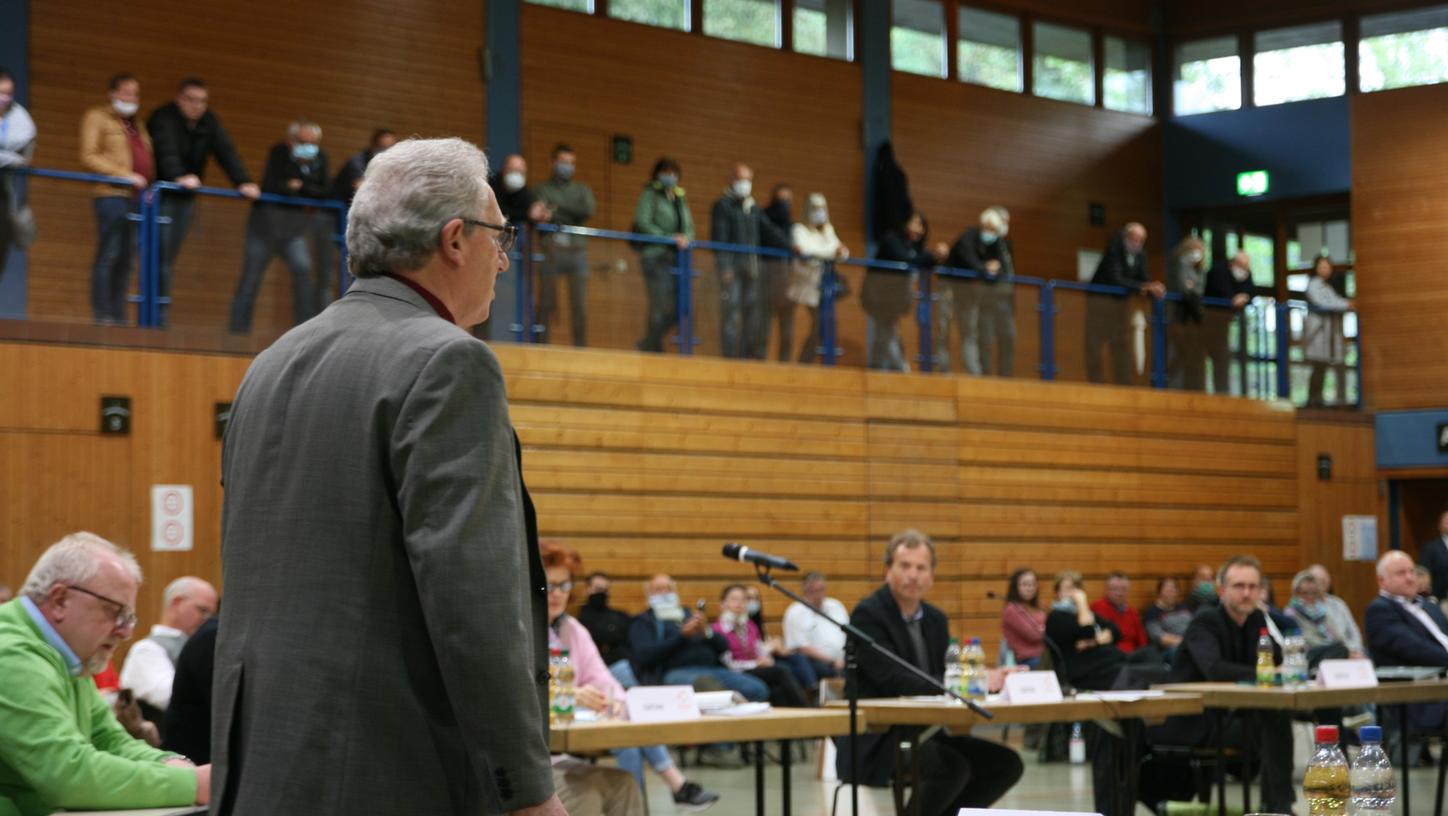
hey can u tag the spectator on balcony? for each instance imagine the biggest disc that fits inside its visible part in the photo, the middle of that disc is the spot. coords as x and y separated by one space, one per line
663 211
520 208
17 145
1123 265
816 244
349 178
1230 280
777 307
736 220
570 204
1322 337
112 144
185 134
983 312
298 168
1186 276
887 296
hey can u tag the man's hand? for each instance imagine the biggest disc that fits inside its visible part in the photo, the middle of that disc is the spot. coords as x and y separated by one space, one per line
203 784
138 181
681 240
552 807
842 253
764 660
190 181
1356 656
179 762
294 184
1103 637
940 252
249 190
1156 289
590 697
694 625
1169 640
1240 299
839 664
539 213
995 679
992 267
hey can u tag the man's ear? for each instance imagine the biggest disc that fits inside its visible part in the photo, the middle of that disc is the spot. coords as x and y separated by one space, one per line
450 241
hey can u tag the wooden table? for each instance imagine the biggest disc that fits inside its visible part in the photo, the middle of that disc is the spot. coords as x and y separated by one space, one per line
781 724
1221 697
882 714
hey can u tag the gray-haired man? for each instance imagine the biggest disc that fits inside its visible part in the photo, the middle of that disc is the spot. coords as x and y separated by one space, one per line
150 665
383 649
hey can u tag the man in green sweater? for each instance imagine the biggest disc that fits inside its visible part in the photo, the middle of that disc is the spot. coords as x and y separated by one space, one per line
60 746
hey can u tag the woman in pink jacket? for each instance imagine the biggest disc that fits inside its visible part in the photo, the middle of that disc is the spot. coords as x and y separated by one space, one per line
595 688
750 653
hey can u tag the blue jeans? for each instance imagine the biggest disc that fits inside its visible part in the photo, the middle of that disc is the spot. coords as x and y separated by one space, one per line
261 246
115 244
752 688
179 208
632 760
802 668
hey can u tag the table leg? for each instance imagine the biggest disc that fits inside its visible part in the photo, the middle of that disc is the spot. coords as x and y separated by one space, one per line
1249 754
1406 765
1219 725
1129 775
759 778
1442 775
784 769
916 800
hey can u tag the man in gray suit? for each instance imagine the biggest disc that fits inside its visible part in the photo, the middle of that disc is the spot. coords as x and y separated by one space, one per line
383 649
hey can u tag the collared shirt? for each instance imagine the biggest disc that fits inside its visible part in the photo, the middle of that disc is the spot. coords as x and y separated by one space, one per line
1416 611
913 624
432 300
148 670
802 627
72 661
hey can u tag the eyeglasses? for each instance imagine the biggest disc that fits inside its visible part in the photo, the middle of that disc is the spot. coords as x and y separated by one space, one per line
506 240
125 616
566 586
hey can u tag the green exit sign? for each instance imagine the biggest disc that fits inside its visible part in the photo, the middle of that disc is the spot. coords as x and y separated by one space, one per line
1252 183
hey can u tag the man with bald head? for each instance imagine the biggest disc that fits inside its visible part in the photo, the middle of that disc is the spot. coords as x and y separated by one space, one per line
60 746
1124 266
1403 630
151 664
672 645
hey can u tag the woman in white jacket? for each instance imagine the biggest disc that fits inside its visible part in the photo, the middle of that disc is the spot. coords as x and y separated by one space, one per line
1322 338
815 242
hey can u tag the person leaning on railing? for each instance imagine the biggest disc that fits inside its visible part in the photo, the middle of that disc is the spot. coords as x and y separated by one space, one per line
1322 336
113 144
815 242
776 308
1227 280
983 312
17 145
1123 265
1186 276
662 210
570 203
886 294
736 219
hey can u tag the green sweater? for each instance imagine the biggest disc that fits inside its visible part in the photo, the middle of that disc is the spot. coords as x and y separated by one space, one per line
60 745
655 214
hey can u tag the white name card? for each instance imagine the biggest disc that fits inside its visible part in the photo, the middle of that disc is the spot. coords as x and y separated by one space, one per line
996 812
659 703
1032 687
1346 674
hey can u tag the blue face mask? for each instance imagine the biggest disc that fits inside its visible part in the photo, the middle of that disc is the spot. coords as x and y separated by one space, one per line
669 180
563 170
305 152
988 238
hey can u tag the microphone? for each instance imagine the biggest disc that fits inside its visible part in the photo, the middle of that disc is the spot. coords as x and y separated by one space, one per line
735 552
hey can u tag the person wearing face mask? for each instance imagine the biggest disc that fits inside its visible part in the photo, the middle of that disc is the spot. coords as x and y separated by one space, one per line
112 143
1122 265
887 294
735 219
662 210
607 626
815 242
1227 280
1319 623
510 186
776 308
296 167
983 312
569 203
1322 338
1186 276
17 145
751 653
673 646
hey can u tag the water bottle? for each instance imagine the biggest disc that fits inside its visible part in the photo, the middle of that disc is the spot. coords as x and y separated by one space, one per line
1371 777
1077 751
1266 665
560 688
1326 787
954 671
1008 656
1294 660
976 681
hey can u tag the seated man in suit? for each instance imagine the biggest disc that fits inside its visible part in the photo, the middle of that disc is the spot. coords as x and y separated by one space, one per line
673 646
60 746
958 771
1220 644
1404 631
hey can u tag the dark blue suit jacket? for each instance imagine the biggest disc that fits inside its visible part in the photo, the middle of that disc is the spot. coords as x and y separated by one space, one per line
1397 638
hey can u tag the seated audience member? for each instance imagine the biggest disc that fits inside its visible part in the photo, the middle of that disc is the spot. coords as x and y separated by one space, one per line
1085 643
1404 631
1204 588
1116 607
1321 625
754 607
1220 645
1167 618
750 653
1352 636
1023 621
675 647
188 717
596 689
150 665
1425 584
60 747
818 641
960 771
607 626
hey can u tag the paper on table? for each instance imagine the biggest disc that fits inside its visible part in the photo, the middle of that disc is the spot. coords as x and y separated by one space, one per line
1120 696
739 710
714 700
189 810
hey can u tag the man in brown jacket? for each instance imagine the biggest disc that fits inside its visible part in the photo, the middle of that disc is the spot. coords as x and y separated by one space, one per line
112 144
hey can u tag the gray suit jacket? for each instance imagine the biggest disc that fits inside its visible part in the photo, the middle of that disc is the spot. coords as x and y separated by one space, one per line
383 649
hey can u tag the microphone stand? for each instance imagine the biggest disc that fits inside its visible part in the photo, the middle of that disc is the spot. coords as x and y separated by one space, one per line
853 637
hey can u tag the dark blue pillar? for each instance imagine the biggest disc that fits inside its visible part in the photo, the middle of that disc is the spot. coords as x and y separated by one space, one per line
15 57
874 27
502 50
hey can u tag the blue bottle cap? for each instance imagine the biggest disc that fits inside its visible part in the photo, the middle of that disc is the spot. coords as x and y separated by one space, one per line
1371 733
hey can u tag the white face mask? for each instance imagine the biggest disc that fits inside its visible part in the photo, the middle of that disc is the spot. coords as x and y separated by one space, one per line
126 109
514 181
819 217
742 188
1241 274
1195 256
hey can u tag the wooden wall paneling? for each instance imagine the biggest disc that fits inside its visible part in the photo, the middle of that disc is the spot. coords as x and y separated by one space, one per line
1397 215
1353 490
352 67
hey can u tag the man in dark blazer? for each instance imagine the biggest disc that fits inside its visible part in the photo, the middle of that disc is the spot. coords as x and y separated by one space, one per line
1123 265
959 771
1434 555
1404 631
383 649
